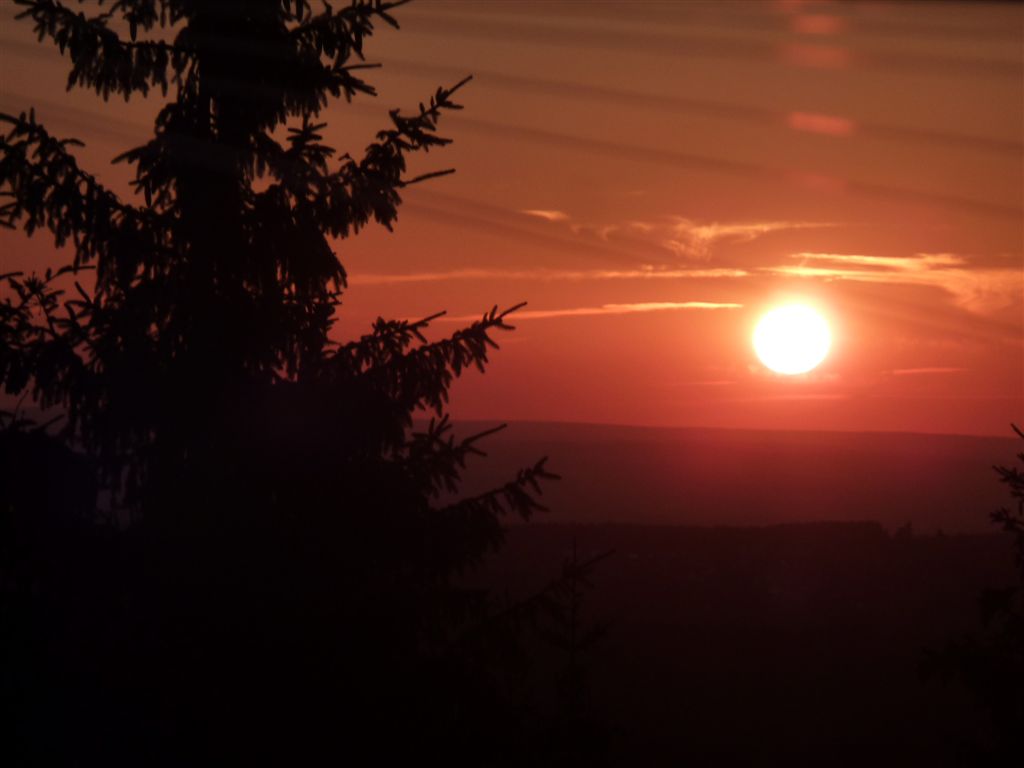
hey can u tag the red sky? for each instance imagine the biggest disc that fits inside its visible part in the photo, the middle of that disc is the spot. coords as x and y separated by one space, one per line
637 170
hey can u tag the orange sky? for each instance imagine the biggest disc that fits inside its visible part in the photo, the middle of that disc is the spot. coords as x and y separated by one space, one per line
652 176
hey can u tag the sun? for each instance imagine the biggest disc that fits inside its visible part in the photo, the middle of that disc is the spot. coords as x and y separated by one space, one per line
792 339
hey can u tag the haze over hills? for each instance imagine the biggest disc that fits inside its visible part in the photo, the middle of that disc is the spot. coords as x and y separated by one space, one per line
678 476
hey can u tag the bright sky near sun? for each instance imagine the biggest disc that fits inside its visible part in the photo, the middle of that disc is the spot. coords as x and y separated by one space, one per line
653 177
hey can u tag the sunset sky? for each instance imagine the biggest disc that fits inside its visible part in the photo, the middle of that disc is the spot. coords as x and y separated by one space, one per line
651 177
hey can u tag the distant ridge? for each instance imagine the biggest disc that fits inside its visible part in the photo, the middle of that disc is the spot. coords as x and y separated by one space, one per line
542 425
735 477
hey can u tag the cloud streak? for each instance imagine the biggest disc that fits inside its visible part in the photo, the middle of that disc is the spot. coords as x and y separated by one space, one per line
694 240
921 262
681 236
925 371
546 215
606 309
545 275
979 290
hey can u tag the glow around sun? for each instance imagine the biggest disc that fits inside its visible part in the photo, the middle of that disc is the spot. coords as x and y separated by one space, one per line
792 339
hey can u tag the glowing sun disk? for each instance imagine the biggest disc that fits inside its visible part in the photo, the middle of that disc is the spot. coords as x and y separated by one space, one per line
792 339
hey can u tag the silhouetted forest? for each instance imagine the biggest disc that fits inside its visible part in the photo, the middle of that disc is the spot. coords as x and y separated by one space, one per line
775 645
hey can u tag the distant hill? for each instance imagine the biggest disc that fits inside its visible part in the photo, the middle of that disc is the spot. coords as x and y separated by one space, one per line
745 477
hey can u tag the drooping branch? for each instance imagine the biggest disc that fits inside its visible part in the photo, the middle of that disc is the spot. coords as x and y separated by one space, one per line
103 61
144 14
100 59
434 459
42 337
48 190
341 203
338 36
463 532
516 497
418 378
389 339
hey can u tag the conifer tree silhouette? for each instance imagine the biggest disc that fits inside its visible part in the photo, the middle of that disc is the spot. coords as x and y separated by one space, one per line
990 662
224 539
577 736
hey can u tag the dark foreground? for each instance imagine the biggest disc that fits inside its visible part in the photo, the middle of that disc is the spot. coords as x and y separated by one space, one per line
782 645
772 646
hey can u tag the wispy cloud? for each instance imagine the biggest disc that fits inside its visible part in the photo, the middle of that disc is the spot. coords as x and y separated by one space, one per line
694 240
976 289
606 309
703 383
787 398
921 262
681 236
925 371
546 215
813 122
649 273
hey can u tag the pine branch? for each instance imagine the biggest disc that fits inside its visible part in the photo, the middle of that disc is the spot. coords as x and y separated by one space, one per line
40 348
340 34
48 190
420 377
100 59
144 14
369 188
459 535
518 496
434 459
314 202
